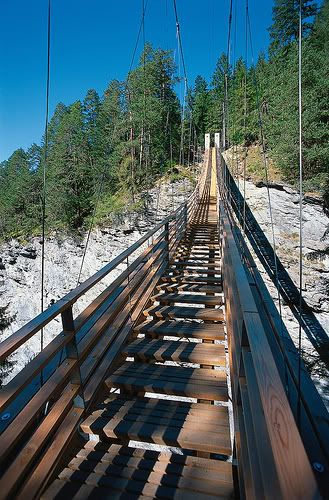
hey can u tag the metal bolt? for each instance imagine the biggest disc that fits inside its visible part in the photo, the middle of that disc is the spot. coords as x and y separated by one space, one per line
318 467
5 416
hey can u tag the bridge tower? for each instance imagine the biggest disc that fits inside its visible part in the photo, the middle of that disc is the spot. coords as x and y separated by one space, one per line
206 141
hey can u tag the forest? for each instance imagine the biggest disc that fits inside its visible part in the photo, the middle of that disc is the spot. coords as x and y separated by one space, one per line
108 148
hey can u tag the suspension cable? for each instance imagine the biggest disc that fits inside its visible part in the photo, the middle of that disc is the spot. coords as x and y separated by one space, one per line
300 211
142 152
103 175
226 107
180 40
181 150
245 119
228 56
262 140
234 86
43 203
186 96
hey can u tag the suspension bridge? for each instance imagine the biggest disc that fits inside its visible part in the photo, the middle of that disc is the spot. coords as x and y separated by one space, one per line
178 381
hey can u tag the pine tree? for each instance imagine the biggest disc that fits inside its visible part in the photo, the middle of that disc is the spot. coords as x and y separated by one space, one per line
201 105
151 112
285 27
217 96
71 175
316 96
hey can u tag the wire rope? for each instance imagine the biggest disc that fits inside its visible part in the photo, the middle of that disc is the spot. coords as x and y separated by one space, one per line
300 34
265 163
245 119
44 175
103 175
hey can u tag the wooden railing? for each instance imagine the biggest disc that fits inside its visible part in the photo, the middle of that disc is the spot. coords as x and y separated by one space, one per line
274 459
41 407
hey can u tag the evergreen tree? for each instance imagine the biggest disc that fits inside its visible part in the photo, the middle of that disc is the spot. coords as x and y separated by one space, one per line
201 107
151 115
217 96
316 96
285 26
110 135
17 194
70 186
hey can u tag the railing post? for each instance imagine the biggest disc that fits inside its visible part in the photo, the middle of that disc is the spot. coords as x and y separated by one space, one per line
167 258
72 353
185 216
177 227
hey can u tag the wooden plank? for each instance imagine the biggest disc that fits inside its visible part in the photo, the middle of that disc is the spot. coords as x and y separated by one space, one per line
261 434
191 279
139 469
188 299
196 258
100 451
155 465
123 465
200 375
9 481
162 431
167 405
253 458
26 418
164 462
155 378
202 253
185 271
190 263
183 329
38 479
151 485
190 287
115 415
65 489
165 350
189 388
173 312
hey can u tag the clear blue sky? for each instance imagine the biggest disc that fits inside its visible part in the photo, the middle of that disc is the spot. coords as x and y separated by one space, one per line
92 43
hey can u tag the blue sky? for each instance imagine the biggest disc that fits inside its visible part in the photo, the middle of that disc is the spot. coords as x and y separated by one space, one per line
92 43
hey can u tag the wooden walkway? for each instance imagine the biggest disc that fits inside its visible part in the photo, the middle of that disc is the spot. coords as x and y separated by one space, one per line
178 381
176 353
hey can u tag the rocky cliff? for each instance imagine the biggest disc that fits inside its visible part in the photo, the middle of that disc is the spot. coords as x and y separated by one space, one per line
20 266
285 211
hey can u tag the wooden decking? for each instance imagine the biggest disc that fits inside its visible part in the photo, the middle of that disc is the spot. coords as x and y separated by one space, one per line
177 352
133 399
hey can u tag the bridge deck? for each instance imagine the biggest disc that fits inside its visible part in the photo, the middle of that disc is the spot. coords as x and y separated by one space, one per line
176 352
142 373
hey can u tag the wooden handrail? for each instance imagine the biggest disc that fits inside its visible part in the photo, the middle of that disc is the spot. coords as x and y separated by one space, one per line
13 342
290 464
305 402
270 452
